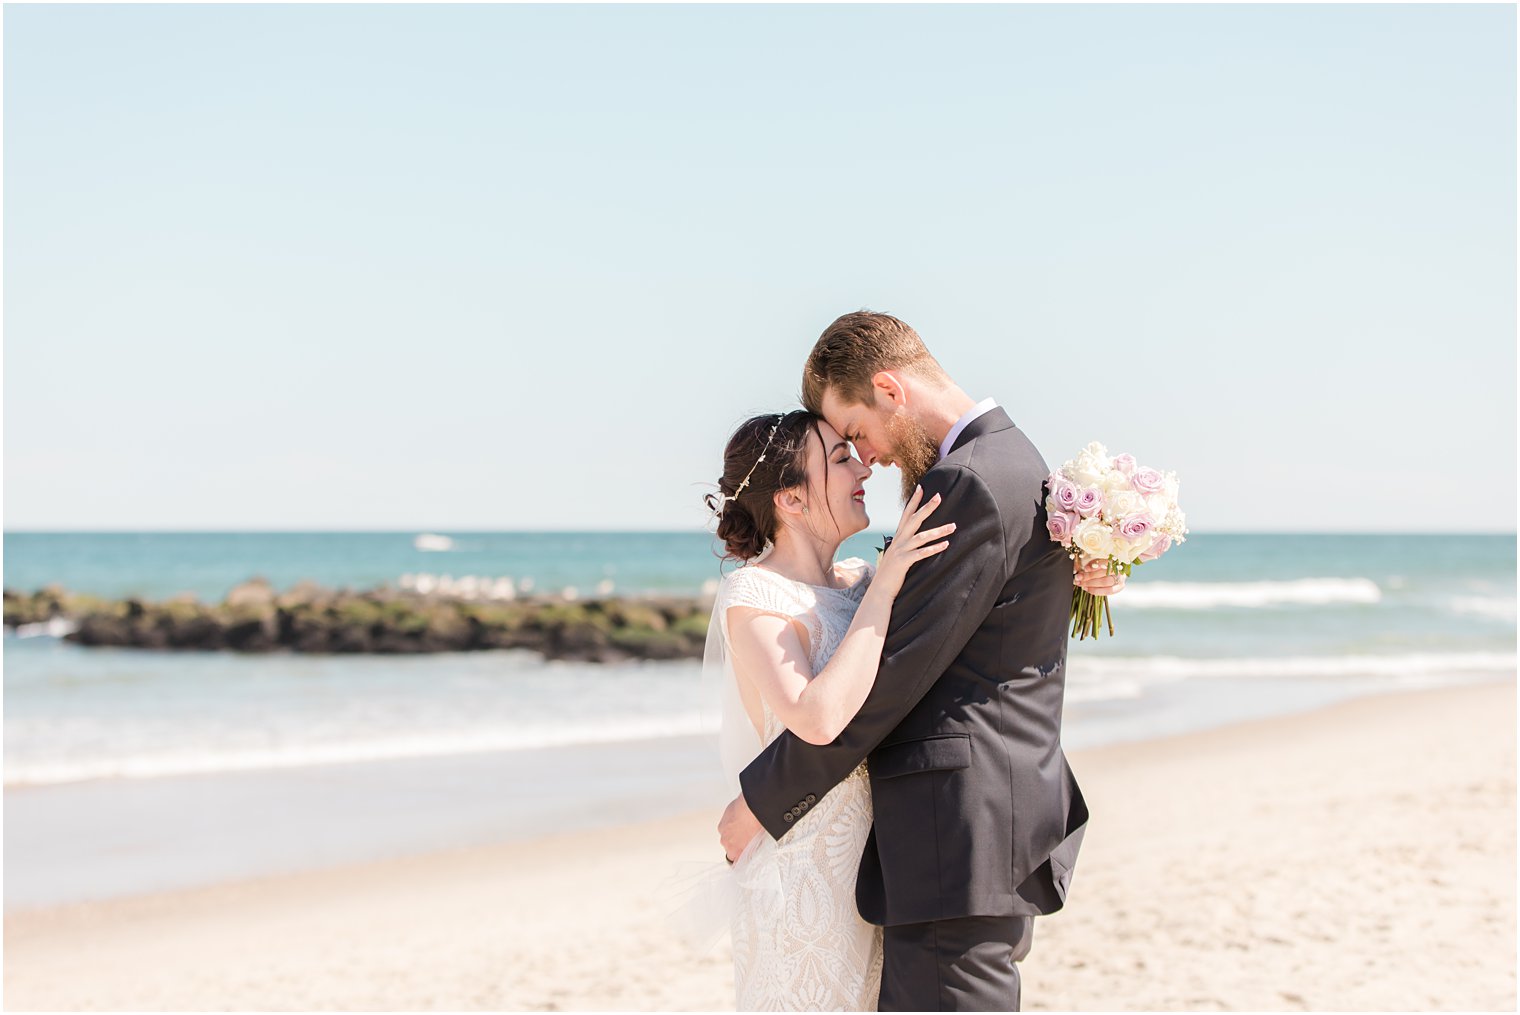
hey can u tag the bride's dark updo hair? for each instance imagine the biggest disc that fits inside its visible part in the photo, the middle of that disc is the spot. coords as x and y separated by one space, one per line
749 521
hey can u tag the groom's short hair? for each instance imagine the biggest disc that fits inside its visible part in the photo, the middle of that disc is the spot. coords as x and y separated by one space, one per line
857 347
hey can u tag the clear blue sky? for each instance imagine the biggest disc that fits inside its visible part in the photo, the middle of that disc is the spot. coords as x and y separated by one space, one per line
502 267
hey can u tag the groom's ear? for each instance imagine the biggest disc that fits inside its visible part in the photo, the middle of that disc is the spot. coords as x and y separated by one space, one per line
889 390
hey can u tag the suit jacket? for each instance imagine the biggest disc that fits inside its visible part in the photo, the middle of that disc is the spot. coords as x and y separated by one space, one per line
976 811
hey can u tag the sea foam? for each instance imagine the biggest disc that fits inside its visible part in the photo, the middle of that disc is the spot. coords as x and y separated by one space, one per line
1121 678
1493 609
197 760
1142 594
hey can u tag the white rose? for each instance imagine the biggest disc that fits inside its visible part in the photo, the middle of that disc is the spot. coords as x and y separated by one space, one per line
1089 470
1130 552
1158 505
1123 504
1114 483
1094 538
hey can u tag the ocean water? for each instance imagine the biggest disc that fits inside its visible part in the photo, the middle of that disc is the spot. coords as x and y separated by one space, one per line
128 771
1224 627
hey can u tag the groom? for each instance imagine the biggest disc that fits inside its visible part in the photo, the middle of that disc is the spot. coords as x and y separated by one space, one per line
978 818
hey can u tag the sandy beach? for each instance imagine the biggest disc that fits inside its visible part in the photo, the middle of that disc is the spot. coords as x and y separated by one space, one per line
1358 857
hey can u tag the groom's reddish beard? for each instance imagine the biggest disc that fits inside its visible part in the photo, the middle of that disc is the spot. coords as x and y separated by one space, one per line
913 449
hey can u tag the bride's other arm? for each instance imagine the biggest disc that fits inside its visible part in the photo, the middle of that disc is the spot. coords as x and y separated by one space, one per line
769 651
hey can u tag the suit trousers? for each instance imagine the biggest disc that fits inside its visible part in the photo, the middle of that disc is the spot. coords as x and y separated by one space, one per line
965 964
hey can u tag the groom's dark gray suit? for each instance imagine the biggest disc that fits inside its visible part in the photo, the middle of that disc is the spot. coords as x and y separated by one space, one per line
978 818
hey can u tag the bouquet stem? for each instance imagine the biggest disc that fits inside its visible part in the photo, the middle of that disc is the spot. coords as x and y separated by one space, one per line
1090 613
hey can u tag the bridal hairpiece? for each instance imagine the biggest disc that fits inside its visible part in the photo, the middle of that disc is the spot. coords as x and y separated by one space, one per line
724 499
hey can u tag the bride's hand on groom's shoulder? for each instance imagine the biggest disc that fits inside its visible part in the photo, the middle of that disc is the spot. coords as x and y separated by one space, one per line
1094 579
909 544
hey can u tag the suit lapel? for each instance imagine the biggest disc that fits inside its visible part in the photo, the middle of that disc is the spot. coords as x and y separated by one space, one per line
991 421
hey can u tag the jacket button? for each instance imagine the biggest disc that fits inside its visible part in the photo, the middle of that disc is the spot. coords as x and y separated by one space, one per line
810 799
787 817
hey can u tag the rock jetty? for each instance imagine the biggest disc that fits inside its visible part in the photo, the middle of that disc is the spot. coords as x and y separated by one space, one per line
310 618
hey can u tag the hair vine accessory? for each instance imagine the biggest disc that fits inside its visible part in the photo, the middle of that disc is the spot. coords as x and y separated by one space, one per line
724 499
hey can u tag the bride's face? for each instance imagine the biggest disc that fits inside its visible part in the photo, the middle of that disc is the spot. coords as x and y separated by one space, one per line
836 486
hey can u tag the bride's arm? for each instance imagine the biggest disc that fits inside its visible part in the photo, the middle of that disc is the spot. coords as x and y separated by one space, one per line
768 651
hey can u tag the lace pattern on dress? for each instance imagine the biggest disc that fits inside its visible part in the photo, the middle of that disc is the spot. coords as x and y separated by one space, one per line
799 942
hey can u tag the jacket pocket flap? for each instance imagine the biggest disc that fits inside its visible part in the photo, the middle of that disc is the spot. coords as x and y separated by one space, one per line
952 750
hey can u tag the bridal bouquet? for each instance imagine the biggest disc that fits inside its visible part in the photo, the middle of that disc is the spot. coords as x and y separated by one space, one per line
1102 508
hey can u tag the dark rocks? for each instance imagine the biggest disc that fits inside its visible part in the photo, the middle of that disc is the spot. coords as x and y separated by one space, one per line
255 591
100 629
310 618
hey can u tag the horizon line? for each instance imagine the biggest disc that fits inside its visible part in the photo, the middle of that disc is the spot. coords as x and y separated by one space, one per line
690 532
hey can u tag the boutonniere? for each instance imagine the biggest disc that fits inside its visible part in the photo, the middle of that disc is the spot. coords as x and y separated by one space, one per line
886 542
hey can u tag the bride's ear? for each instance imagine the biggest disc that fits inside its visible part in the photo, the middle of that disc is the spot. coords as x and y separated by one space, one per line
788 502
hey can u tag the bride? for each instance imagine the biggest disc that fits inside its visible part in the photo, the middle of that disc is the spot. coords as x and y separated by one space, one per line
795 639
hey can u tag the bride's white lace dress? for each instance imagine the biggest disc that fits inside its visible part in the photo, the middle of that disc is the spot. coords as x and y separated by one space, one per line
799 943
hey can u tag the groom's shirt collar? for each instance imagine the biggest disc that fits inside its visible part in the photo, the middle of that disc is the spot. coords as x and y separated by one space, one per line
961 424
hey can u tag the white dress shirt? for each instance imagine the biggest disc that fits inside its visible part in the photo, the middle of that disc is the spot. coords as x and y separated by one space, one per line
961 424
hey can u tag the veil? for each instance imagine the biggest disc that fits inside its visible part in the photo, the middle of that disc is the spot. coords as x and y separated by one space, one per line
738 743
707 893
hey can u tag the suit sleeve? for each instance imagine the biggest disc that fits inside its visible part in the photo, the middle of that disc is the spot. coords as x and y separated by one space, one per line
943 600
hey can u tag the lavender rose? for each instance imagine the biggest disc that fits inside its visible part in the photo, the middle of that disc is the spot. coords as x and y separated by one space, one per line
1161 545
1136 528
1148 481
1089 501
1061 525
1064 492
